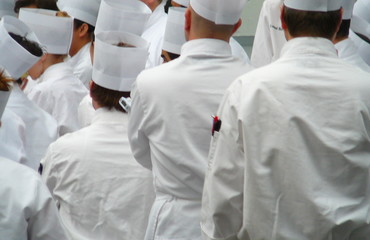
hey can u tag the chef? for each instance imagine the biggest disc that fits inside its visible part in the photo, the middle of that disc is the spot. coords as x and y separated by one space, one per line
290 157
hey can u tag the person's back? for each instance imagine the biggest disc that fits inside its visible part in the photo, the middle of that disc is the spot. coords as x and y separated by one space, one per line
295 137
170 126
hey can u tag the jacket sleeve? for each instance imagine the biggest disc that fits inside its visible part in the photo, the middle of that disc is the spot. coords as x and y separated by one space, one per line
138 139
222 202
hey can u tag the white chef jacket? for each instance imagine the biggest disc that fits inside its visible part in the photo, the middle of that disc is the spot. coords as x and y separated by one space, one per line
86 111
349 53
154 34
82 65
363 47
101 191
13 137
27 209
40 127
269 38
59 94
238 51
170 130
291 160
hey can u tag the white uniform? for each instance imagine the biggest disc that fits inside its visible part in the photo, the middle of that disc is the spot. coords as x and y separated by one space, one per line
40 127
269 38
13 137
101 191
363 47
86 111
27 209
349 53
59 93
238 51
291 160
82 65
154 34
170 130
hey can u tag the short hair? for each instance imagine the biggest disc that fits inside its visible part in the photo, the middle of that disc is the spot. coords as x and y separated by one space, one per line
45 4
343 31
106 97
5 82
32 47
309 23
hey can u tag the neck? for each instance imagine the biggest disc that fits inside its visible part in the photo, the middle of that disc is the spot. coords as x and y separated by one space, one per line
339 39
52 59
78 45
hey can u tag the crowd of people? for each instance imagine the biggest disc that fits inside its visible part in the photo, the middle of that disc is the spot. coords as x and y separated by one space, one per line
146 120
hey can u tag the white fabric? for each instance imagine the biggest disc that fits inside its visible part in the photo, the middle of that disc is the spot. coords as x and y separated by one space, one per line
349 53
122 15
170 130
83 10
55 33
363 47
4 96
347 6
359 25
40 127
27 209
314 5
219 11
269 38
184 3
13 137
362 9
14 58
59 93
7 8
82 65
102 192
86 111
114 67
291 158
174 36
238 51
154 33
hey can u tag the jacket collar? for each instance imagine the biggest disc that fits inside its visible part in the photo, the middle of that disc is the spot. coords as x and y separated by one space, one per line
104 115
81 54
56 71
309 46
206 47
156 15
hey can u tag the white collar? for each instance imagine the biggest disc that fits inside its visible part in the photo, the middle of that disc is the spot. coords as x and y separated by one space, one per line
206 46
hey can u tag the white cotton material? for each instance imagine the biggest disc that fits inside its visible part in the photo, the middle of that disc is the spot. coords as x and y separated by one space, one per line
174 36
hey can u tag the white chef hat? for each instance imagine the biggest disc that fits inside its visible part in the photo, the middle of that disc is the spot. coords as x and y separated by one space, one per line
55 33
7 8
83 10
219 11
174 36
14 58
122 15
347 6
183 2
115 67
314 5
362 10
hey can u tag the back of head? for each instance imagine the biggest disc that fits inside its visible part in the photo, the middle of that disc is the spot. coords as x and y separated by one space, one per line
44 4
314 18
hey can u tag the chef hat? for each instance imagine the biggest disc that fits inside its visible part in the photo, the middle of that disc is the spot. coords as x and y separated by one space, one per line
362 10
14 58
219 11
183 2
347 6
314 5
54 33
7 8
174 36
122 15
83 10
115 67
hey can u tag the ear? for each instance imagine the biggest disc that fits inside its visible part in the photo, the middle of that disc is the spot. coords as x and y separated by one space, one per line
187 23
237 25
282 12
83 30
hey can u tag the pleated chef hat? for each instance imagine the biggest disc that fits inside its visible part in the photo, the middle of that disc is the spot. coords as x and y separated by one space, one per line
348 8
55 33
174 36
83 10
183 2
122 15
15 59
7 8
219 11
314 5
116 67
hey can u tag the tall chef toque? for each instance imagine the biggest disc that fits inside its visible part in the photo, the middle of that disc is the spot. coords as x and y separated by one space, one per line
116 67
174 36
54 33
7 8
221 12
15 59
83 10
347 6
122 15
314 5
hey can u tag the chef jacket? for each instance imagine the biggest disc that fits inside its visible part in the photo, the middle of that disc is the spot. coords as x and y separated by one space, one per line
349 53
82 65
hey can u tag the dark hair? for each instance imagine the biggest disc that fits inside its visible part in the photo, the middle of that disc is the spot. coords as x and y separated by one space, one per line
343 31
30 46
309 23
45 4
106 97
167 6
4 82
